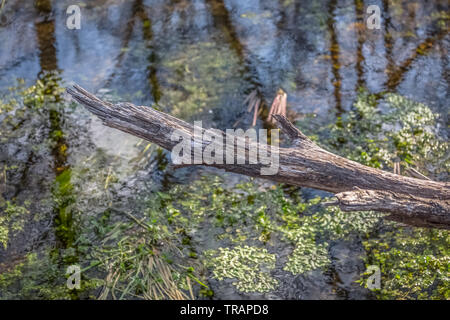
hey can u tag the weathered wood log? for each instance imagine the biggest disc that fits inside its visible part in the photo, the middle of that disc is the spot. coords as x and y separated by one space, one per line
412 201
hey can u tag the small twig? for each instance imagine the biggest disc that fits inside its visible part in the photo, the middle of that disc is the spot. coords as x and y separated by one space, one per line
256 111
129 215
416 174
397 167
278 106
2 5
330 203
249 98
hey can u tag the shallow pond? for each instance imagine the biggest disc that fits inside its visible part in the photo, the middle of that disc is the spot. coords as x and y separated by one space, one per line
71 179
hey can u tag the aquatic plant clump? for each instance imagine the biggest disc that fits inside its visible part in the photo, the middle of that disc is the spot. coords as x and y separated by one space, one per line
307 256
379 131
264 216
12 220
249 266
330 224
414 264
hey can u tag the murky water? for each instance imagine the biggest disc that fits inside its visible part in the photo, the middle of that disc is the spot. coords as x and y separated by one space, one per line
199 60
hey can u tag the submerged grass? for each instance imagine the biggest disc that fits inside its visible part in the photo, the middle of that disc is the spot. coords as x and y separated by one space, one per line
143 274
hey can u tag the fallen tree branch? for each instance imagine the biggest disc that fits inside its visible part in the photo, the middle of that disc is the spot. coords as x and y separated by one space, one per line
416 202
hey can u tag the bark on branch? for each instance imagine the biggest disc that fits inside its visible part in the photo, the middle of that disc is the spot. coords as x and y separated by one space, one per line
416 202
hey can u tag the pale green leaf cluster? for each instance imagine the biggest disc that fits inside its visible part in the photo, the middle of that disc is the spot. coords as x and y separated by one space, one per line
249 266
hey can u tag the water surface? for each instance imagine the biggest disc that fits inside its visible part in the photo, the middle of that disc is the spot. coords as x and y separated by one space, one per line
198 60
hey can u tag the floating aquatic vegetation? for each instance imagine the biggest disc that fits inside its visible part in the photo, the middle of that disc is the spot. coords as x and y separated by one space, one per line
249 266
307 255
260 217
379 132
327 223
12 220
414 263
